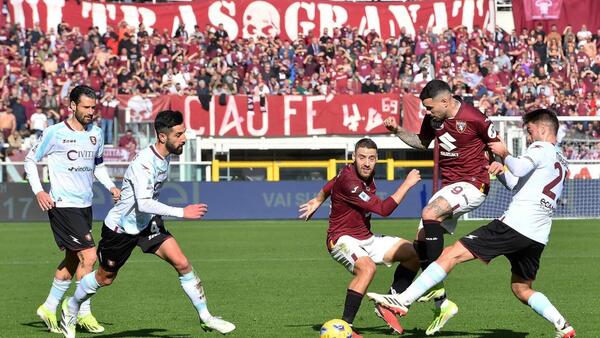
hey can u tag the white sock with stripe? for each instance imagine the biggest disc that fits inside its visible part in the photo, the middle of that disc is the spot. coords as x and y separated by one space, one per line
57 291
428 279
192 286
540 304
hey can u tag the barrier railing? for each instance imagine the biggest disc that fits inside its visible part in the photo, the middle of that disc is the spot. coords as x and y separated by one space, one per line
273 167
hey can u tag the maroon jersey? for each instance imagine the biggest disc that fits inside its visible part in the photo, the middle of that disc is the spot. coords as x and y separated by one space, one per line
352 201
462 142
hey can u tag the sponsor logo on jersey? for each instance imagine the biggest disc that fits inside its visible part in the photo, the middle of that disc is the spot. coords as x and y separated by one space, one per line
471 236
448 154
461 126
75 239
68 141
364 196
355 189
73 155
447 141
80 169
93 140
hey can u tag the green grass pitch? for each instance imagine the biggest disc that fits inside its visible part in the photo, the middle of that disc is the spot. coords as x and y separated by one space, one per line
276 279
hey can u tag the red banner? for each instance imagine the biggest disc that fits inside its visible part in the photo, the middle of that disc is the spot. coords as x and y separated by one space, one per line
142 109
574 13
291 115
542 9
248 18
412 113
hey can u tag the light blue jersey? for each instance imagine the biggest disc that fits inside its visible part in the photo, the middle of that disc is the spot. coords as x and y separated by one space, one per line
72 159
142 181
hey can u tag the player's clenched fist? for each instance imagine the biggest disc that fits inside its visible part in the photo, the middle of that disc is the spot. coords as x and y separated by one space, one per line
413 177
195 211
498 148
391 124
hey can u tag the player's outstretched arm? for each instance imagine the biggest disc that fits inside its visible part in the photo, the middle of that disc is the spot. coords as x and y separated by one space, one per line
308 209
412 139
519 167
386 207
413 177
195 211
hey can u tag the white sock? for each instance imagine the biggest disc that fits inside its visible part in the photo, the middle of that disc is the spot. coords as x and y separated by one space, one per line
540 304
428 279
192 286
57 291
85 307
87 288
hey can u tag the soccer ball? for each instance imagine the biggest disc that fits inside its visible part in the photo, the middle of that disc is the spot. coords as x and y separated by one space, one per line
336 328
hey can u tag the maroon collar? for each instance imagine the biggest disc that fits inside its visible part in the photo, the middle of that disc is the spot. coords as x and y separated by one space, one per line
156 152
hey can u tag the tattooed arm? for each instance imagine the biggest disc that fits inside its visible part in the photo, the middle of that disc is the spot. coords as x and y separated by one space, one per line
410 138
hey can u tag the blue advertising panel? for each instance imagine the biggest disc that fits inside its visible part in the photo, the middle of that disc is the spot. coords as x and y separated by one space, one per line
226 200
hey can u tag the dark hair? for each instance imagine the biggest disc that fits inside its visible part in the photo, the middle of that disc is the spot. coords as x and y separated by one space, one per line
79 91
433 88
166 120
365 143
543 115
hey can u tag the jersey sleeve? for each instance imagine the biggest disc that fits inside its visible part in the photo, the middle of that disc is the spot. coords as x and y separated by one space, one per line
535 153
353 192
486 130
44 146
100 152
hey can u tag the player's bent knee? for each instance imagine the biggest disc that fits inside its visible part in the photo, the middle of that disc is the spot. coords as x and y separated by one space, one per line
365 267
87 258
182 265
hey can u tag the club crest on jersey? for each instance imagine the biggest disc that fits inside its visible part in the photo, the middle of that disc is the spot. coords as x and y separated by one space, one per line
461 126
93 140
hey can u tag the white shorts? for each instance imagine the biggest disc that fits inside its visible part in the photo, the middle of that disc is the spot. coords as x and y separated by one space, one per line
347 250
463 197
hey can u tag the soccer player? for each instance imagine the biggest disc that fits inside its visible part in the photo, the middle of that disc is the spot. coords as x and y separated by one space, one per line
74 149
350 241
462 132
536 179
136 221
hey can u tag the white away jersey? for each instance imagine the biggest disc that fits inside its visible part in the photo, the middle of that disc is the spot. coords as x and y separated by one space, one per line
143 179
534 201
72 159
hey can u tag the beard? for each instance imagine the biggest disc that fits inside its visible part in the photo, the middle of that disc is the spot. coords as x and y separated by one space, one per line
174 150
82 119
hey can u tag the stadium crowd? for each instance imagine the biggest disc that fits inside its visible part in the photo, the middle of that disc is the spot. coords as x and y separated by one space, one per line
502 73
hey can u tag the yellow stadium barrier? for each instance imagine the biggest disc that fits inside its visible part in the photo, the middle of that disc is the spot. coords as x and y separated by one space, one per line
273 167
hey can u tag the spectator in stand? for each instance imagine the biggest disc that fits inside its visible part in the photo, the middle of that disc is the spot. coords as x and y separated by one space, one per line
8 122
108 110
19 112
38 122
128 141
